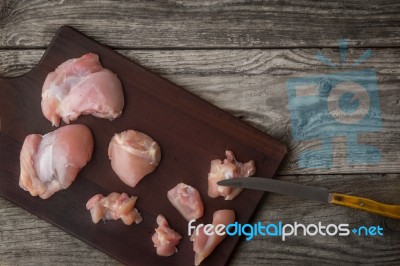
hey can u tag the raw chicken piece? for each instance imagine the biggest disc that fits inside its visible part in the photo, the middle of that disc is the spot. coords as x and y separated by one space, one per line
133 155
229 168
203 244
187 201
81 86
51 162
165 239
114 207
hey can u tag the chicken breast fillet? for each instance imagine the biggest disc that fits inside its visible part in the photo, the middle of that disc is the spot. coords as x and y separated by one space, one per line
51 162
203 244
187 200
229 168
165 239
133 155
81 86
113 207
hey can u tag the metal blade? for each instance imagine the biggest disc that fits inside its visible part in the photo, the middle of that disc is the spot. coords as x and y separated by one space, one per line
277 186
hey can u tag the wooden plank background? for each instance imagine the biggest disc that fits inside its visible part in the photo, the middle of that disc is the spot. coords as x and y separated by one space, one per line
238 55
209 23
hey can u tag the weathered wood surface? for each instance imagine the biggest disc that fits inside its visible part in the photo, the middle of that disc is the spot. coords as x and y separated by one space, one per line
212 24
204 47
26 240
251 85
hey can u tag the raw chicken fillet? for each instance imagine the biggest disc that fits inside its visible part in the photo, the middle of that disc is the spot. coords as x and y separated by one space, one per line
229 168
51 162
187 200
113 207
133 155
203 244
81 86
165 239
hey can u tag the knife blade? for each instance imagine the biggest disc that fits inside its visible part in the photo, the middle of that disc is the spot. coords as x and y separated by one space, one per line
314 193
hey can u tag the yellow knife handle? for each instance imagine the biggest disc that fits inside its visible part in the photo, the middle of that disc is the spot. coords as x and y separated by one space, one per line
392 211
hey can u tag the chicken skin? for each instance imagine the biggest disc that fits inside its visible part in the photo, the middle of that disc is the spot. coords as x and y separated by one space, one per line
81 86
187 200
133 155
113 207
229 168
203 244
165 239
51 162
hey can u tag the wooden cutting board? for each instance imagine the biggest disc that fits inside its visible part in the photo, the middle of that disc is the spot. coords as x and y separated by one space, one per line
190 131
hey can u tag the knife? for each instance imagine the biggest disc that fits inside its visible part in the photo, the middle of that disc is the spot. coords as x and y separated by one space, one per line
313 193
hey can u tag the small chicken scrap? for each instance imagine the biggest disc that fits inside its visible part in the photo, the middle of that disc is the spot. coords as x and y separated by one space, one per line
203 244
133 155
113 207
187 200
51 162
229 168
165 239
81 86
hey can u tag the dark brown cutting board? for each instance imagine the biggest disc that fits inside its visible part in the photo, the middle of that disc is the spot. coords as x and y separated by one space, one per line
190 131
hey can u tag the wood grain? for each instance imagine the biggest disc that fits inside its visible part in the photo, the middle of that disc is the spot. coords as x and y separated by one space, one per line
250 84
26 240
211 24
308 250
203 46
190 131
